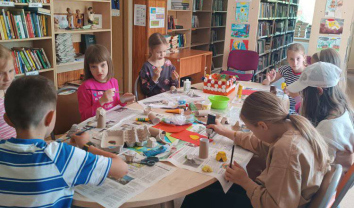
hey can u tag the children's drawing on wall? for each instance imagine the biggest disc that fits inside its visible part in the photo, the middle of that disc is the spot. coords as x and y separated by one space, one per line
331 26
238 45
242 11
328 42
240 30
115 8
334 8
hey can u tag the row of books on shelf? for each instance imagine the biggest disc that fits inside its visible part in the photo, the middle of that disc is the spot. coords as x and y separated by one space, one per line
265 28
175 42
29 1
218 20
263 45
20 24
29 59
281 10
292 11
195 21
171 22
266 10
219 5
198 5
179 5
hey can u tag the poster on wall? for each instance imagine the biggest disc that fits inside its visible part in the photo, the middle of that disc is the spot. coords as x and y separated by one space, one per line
334 8
157 17
238 45
331 26
140 15
242 11
115 8
240 30
328 42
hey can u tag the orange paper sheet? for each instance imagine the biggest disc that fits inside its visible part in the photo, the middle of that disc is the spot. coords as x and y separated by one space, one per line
171 128
185 136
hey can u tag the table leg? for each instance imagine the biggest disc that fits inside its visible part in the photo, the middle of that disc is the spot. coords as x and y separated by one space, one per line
168 204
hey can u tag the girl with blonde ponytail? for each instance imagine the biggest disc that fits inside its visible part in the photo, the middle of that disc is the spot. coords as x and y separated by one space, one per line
296 157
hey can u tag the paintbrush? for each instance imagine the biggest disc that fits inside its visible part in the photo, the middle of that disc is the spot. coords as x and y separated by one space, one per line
232 155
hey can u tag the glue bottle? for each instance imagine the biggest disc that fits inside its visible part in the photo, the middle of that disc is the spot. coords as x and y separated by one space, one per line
186 85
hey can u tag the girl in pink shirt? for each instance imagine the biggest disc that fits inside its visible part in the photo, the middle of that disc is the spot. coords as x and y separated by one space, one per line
7 74
99 89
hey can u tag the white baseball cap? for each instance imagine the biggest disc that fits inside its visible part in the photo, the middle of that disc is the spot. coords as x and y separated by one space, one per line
320 74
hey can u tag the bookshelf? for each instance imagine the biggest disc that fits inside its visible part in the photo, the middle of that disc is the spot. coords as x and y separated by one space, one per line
204 25
27 32
272 25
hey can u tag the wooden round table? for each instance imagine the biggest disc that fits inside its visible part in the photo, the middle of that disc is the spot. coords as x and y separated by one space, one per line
179 184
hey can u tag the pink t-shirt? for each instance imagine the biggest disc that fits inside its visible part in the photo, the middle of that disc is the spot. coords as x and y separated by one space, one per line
89 98
6 131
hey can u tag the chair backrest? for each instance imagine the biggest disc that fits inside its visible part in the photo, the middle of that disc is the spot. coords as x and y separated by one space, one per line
137 90
327 189
67 110
242 60
344 185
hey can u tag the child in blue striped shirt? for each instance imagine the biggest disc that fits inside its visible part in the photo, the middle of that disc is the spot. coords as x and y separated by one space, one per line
34 173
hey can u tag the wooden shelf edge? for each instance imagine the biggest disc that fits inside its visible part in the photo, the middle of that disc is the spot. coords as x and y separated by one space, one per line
198 44
26 39
78 31
40 71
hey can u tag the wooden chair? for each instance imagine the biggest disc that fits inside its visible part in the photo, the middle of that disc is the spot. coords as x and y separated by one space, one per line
327 191
137 90
344 185
67 110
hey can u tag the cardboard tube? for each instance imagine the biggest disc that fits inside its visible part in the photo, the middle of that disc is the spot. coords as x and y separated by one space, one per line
101 118
154 132
153 118
202 112
204 148
147 110
127 98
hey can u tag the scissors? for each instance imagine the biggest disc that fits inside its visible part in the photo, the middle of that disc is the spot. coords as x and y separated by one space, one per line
149 161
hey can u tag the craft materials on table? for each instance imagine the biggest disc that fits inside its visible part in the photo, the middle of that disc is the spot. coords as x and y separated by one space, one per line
186 136
172 128
219 84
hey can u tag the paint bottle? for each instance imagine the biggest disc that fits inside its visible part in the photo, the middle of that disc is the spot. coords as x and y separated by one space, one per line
186 85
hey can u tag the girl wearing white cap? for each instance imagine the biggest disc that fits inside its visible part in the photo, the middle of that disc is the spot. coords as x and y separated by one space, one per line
328 108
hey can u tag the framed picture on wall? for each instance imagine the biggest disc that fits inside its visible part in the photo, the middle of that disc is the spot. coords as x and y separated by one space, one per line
97 20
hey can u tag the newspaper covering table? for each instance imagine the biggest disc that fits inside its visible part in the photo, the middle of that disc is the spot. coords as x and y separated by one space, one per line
114 193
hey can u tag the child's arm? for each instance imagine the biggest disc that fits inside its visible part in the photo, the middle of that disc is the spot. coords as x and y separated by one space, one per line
87 106
272 76
118 167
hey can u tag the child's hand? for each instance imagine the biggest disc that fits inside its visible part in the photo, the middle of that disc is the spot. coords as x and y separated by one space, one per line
293 95
218 128
236 174
271 75
107 96
81 140
174 75
128 98
157 72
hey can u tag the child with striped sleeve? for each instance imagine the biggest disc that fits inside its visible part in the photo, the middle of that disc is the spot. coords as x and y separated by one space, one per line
297 63
34 173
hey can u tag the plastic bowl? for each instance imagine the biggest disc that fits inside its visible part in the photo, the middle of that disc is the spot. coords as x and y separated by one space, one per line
219 101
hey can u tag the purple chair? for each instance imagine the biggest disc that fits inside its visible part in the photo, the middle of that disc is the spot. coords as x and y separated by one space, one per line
242 60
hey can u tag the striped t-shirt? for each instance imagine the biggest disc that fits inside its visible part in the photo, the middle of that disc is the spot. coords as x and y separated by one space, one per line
290 76
36 174
6 131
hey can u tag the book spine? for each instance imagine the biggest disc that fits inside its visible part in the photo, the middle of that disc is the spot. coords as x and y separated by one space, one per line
37 59
6 25
24 59
41 58
34 60
13 22
3 37
24 62
29 18
29 57
10 25
20 25
28 26
46 58
15 62
23 18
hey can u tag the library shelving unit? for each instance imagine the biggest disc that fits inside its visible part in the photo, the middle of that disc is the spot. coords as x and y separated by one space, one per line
203 24
71 71
276 27
44 42
272 24
61 73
